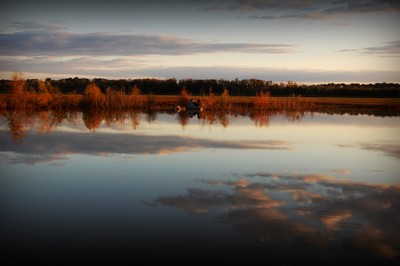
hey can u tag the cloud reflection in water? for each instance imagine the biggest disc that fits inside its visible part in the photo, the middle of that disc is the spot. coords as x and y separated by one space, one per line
314 212
58 145
387 148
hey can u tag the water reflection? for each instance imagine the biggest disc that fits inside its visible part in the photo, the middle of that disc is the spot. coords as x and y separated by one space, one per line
19 121
317 213
386 147
75 184
59 145
16 125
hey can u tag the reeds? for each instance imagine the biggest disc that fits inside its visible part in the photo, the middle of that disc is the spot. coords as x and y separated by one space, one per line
261 100
43 96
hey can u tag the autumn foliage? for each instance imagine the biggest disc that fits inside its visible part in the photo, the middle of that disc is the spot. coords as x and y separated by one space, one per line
93 98
37 95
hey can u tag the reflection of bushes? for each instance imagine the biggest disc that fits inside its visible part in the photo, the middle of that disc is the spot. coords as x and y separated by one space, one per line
151 116
183 118
92 119
46 121
16 125
261 119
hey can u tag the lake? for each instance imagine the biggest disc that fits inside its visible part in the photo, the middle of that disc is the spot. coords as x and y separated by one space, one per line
213 188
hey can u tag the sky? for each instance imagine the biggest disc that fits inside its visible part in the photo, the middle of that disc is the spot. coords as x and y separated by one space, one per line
306 41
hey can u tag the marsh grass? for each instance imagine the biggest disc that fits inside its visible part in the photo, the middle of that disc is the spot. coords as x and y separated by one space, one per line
261 100
46 97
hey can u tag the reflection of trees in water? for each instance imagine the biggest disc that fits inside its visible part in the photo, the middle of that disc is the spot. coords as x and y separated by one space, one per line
208 117
21 120
112 118
16 125
151 115
46 121
205 118
92 119
223 119
135 119
183 118
261 119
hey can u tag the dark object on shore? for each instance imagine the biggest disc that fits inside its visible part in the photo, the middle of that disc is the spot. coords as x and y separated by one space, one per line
192 106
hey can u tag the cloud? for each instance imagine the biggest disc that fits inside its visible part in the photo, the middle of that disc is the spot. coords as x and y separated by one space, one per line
36 149
387 148
388 49
341 171
38 39
249 5
372 241
310 9
195 200
132 67
76 66
332 221
313 214
17 26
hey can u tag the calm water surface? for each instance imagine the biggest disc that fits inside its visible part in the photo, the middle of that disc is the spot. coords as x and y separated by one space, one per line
219 189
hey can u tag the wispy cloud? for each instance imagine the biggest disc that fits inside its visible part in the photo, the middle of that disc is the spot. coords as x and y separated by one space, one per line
310 9
341 171
387 49
132 66
38 39
17 26
389 149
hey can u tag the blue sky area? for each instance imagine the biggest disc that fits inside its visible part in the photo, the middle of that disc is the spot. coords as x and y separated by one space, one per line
306 41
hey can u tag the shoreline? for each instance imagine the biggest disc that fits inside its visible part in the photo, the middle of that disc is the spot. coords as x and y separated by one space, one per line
164 100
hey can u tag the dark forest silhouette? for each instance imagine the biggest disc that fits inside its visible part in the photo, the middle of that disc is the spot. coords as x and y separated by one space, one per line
244 87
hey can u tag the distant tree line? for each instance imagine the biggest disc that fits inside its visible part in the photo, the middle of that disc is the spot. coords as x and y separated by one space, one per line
244 87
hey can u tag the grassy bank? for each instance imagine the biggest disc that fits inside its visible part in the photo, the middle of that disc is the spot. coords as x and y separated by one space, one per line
165 102
44 96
